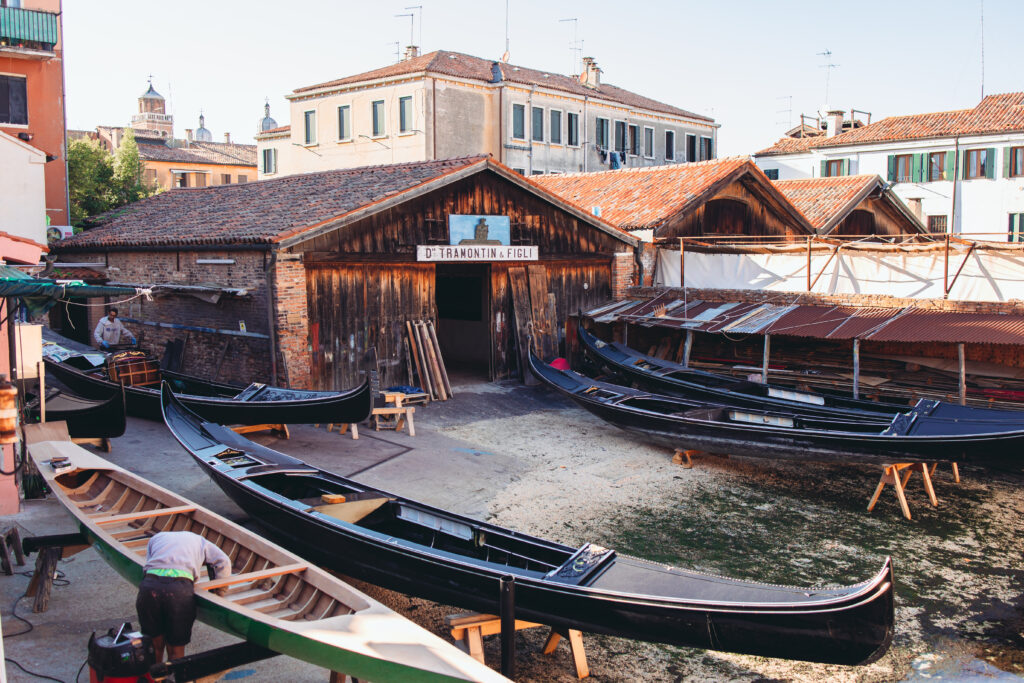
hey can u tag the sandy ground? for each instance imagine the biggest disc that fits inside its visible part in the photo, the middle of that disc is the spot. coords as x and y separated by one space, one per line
527 459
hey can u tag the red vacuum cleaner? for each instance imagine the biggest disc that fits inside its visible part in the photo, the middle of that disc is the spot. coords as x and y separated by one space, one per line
124 656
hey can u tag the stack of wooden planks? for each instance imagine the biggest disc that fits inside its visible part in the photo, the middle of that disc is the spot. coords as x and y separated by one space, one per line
534 308
426 356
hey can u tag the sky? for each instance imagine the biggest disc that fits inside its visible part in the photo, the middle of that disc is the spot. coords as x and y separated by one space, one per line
753 65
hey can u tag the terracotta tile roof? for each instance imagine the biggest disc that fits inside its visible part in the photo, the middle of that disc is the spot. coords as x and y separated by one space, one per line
219 153
821 200
256 213
474 68
642 198
1002 113
272 131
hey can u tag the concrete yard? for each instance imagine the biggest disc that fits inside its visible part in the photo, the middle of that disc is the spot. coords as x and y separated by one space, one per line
525 458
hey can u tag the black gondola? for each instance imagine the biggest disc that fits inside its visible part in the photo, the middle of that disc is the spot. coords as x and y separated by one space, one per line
86 418
219 402
417 549
913 436
674 379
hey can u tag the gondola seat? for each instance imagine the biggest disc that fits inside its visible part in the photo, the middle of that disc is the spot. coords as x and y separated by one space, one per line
351 511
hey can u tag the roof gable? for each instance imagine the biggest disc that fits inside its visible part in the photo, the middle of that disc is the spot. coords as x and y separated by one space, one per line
826 202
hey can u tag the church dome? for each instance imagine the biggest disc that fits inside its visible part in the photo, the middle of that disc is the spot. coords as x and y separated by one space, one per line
267 123
202 133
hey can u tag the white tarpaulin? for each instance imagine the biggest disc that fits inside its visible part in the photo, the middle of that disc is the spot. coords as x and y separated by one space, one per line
987 275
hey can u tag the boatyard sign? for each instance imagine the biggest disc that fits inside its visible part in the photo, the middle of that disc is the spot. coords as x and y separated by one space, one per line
477 238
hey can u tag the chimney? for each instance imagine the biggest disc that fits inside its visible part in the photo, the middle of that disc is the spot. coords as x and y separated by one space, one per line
411 51
833 123
227 138
188 134
591 76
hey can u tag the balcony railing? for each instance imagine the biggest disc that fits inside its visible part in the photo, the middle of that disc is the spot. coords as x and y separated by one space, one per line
26 28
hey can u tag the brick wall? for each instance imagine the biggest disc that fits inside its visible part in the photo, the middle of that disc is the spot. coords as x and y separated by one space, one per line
623 274
207 354
291 322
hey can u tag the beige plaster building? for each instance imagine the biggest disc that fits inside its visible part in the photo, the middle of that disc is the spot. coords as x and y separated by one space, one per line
448 104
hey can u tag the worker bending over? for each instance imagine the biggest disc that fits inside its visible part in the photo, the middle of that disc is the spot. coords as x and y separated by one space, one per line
110 330
166 601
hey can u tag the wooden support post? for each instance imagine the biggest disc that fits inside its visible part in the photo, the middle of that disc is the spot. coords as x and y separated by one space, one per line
42 580
963 373
764 360
41 374
898 475
10 535
809 241
682 265
856 368
469 629
687 348
945 268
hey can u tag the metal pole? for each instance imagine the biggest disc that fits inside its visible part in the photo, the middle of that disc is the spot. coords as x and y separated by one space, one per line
687 348
809 239
508 626
682 265
963 374
764 364
856 368
945 272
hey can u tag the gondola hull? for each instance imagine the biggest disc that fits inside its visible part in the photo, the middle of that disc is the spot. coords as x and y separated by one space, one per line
849 625
85 418
215 401
716 429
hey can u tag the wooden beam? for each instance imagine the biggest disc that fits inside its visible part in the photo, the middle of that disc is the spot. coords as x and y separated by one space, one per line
963 373
146 514
687 348
252 576
856 368
764 359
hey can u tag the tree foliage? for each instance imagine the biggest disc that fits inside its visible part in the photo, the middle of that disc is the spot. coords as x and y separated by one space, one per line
99 182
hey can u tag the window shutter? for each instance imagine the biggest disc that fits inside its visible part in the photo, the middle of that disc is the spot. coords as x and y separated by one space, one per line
824 169
1014 227
892 168
925 167
990 162
915 168
962 159
846 167
950 160
1007 153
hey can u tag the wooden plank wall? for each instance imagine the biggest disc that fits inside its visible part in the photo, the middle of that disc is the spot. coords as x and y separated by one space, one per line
761 218
356 307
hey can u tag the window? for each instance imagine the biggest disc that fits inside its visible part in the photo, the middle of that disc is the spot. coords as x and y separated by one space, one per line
536 172
648 142
670 145
707 150
555 131
634 140
691 148
404 114
537 124
904 168
181 180
200 179
1016 233
310 120
269 161
520 171
1013 162
833 168
377 110
977 164
519 121
225 178
13 101
937 224
601 133
344 123
937 171
572 124
772 173
242 178
620 136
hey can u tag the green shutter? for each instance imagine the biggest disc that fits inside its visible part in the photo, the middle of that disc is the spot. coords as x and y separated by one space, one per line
950 163
915 168
824 169
926 167
990 162
892 168
1007 153
846 167
961 159
1014 227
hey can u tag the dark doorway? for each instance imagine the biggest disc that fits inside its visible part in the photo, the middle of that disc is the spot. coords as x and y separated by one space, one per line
463 303
71 319
725 217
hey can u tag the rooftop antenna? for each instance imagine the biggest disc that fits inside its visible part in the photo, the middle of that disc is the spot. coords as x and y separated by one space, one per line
398 50
420 9
827 54
788 111
574 46
412 24
505 57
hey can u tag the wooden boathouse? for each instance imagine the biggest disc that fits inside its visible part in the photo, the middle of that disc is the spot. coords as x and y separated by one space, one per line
325 269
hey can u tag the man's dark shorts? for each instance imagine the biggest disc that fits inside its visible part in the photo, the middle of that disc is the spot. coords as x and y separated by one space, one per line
167 607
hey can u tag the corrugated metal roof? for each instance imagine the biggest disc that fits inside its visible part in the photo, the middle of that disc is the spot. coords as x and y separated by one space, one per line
818 322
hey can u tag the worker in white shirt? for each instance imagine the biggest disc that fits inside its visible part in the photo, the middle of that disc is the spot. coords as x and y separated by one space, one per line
109 331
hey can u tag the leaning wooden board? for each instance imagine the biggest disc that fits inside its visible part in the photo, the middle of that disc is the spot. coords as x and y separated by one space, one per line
273 598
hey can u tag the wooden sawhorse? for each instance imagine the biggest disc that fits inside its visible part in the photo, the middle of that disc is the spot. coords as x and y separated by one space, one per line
469 629
280 429
342 427
899 474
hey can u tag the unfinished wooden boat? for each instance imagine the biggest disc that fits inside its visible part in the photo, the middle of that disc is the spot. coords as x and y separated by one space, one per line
404 545
913 436
86 418
217 401
273 598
